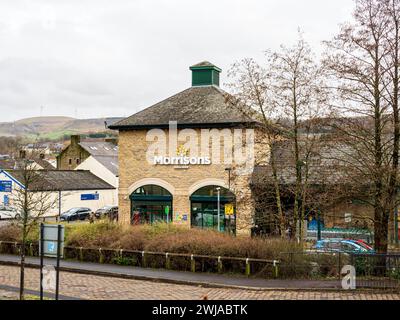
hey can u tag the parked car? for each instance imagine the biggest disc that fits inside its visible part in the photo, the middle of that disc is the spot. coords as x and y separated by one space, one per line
363 244
76 214
7 212
342 246
106 211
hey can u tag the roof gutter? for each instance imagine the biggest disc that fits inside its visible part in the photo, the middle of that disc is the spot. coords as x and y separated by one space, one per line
186 125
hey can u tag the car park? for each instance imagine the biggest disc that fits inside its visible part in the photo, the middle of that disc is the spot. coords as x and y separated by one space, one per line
7 212
76 214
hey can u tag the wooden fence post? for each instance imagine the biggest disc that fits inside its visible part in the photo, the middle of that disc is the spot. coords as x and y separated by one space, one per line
101 257
143 259
192 263
219 264
30 249
167 261
275 264
247 267
81 253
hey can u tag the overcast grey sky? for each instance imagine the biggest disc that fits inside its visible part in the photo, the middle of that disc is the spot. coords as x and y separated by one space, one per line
97 58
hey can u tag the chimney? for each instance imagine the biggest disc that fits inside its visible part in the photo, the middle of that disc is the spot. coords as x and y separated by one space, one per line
114 141
75 139
205 74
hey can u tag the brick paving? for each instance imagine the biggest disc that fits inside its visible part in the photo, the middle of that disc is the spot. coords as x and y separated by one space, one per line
99 288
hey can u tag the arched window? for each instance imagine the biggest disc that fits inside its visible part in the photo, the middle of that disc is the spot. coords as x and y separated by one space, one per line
150 204
204 209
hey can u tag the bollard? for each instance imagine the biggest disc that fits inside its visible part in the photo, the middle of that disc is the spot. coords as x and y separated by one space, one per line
167 261
192 264
219 265
16 247
101 257
1 249
247 267
31 249
275 265
143 260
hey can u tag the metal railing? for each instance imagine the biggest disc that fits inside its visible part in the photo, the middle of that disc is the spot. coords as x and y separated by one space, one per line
372 270
149 259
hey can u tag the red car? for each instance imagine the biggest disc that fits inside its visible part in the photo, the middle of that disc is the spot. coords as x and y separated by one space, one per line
363 244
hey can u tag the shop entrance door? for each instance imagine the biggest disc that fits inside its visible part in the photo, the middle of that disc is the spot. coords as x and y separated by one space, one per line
204 209
151 204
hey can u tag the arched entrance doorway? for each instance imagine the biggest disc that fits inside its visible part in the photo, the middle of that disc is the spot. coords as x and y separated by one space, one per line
204 209
150 204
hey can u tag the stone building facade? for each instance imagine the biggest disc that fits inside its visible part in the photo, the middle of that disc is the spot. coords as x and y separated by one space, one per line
188 194
73 155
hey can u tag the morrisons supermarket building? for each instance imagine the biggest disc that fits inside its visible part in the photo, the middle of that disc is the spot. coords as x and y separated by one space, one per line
193 181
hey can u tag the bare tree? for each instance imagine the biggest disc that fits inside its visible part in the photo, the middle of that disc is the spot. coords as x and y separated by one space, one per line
33 199
362 63
286 94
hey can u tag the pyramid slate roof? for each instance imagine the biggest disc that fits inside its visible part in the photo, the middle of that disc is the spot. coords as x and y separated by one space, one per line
204 106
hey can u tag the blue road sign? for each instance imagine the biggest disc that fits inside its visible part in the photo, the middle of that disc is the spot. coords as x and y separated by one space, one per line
90 196
5 186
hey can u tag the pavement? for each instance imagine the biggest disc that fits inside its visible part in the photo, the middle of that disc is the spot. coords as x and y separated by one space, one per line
176 277
93 287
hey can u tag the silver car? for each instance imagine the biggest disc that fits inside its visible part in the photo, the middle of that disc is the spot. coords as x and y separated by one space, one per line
8 213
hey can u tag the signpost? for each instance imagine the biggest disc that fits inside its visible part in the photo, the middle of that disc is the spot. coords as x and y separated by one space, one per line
52 246
229 210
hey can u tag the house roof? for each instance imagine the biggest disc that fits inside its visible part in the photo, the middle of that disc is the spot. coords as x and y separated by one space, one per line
100 148
110 162
326 165
60 180
11 164
7 164
193 107
44 164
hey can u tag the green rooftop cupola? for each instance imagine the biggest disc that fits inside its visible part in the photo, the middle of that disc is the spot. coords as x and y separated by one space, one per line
205 74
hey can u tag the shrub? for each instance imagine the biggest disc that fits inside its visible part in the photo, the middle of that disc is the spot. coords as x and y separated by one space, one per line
10 233
88 235
175 239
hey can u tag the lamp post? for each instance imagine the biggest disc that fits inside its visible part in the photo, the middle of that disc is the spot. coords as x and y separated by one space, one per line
319 236
218 207
396 226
